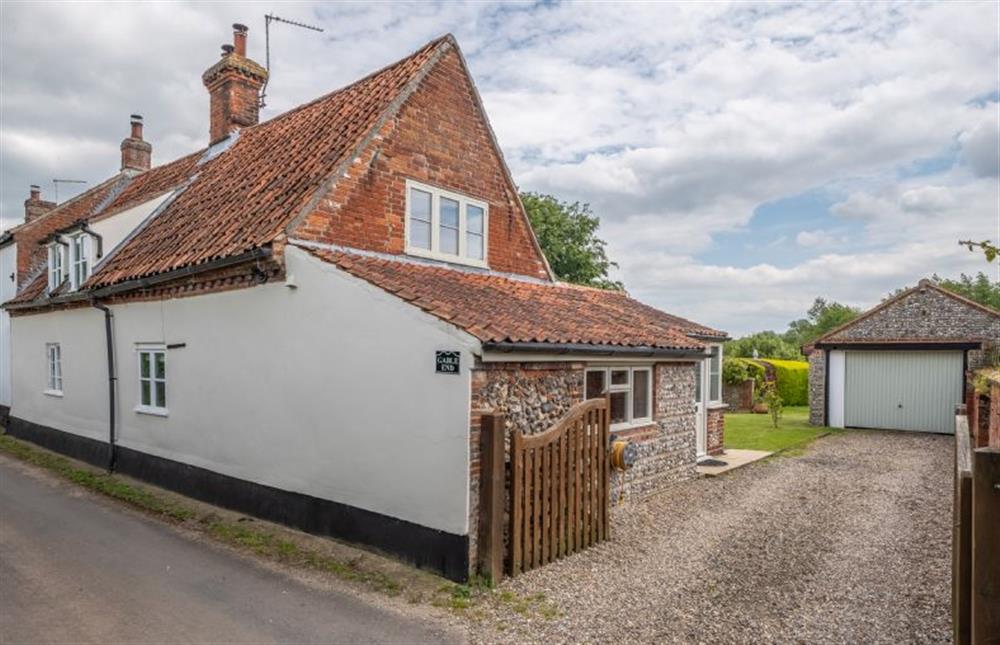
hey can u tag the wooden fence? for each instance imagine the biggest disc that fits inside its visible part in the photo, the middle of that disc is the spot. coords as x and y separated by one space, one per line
976 536
559 488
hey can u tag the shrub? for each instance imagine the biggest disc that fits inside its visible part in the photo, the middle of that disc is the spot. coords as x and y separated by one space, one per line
734 371
737 370
792 378
773 400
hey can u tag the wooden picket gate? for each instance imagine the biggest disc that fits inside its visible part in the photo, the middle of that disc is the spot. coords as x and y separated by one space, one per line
559 487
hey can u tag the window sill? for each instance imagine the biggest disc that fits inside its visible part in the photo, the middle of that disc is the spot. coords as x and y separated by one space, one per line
156 412
631 425
445 257
637 433
56 393
717 405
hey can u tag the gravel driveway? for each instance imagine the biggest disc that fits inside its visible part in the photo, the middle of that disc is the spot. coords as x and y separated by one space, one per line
846 543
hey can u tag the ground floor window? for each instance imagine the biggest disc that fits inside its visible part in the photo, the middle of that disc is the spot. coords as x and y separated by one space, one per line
152 380
54 383
630 390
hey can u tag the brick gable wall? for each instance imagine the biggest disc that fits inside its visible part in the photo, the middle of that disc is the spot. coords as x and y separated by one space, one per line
440 138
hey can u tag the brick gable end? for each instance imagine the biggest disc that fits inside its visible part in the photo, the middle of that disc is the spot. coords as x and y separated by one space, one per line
438 137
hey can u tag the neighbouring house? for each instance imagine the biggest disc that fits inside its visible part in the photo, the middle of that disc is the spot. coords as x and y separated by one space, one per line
305 320
901 365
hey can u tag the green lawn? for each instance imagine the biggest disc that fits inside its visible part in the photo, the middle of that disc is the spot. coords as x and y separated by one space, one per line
755 432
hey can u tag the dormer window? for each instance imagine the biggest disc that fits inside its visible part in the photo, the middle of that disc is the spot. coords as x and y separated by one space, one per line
444 225
79 259
57 265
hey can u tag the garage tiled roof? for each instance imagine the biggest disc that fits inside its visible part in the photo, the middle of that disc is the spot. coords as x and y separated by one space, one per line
501 308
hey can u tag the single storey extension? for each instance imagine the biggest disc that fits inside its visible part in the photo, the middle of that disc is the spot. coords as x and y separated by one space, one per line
902 365
306 320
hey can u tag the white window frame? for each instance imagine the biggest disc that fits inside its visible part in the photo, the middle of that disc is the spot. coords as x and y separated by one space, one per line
56 265
79 257
632 422
464 201
151 408
53 369
717 376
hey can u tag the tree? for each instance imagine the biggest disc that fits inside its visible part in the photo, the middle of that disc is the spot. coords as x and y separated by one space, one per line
768 344
990 250
978 288
821 318
567 234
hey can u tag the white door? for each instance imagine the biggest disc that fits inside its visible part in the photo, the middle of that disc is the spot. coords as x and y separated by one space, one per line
700 388
903 390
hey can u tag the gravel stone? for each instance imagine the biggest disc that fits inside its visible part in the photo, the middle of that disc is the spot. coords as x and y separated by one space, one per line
847 543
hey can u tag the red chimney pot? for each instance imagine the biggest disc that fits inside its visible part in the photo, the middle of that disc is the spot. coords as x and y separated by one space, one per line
240 39
137 126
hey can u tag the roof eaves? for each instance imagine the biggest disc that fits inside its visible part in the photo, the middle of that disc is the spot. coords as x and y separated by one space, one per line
587 349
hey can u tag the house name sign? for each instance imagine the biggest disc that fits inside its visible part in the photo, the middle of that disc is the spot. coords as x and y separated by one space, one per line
447 362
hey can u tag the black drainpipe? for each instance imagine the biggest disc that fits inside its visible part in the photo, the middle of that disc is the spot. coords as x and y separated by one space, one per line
112 378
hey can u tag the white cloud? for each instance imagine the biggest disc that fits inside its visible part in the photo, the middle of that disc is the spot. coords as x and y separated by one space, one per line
817 238
676 121
981 144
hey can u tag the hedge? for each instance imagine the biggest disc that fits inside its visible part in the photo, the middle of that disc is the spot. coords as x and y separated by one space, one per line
736 370
792 380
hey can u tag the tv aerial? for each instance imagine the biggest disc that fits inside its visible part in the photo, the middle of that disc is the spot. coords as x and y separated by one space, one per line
268 19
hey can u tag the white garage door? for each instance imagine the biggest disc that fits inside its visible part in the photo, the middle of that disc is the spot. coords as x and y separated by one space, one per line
903 390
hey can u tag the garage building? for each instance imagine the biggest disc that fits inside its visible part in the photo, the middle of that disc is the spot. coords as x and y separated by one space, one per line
902 364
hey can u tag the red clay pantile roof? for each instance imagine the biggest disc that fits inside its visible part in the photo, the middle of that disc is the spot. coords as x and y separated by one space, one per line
498 308
243 198
151 183
34 289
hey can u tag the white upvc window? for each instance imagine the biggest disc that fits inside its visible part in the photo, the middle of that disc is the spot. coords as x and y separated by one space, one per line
152 379
630 390
715 374
53 359
79 252
444 225
57 265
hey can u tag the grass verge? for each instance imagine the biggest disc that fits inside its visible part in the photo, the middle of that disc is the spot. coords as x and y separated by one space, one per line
754 431
284 546
240 535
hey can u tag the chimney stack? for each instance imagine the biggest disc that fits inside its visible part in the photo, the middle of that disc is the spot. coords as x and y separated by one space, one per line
136 153
233 85
34 206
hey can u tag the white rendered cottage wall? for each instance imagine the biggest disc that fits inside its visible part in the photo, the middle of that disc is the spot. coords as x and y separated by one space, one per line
8 289
327 389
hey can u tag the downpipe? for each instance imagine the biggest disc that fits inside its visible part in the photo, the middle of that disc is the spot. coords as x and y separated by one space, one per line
112 381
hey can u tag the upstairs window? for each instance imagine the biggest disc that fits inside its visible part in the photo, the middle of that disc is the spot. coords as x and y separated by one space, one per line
53 356
445 226
57 267
152 380
79 248
630 390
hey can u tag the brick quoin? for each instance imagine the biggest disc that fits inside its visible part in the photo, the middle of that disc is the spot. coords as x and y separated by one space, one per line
440 138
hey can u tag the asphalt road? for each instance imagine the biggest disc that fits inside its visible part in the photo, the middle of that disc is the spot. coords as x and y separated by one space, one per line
77 569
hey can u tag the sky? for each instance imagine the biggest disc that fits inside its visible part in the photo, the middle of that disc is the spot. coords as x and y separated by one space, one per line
743 158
